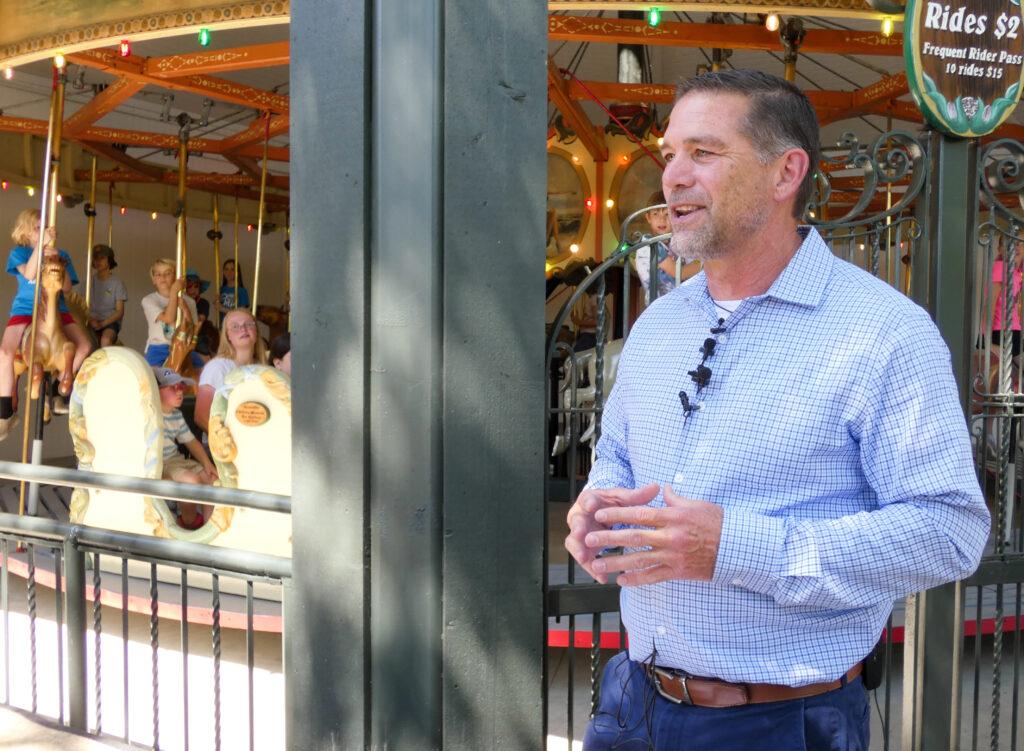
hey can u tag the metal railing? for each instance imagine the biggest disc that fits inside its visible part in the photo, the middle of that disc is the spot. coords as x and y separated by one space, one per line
170 570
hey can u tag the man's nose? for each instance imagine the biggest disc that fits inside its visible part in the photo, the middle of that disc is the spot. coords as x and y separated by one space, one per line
678 174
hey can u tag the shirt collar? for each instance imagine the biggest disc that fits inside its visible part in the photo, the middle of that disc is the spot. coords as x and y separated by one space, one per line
802 282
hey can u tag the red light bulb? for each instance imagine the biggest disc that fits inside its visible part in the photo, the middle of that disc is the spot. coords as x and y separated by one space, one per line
124 210
126 48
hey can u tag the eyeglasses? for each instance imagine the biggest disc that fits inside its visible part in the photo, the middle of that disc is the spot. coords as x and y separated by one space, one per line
236 327
701 375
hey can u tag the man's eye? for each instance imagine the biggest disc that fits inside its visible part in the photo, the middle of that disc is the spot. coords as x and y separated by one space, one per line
699 153
668 157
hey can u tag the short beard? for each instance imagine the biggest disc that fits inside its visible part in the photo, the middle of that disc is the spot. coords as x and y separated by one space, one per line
715 241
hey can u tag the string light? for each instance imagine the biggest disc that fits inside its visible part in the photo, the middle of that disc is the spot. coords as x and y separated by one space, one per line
653 17
123 210
153 216
204 37
249 228
589 203
888 26
60 198
8 73
625 158
772 22
4 185
575 159
126 48
574 248
31 191
59 61
609 203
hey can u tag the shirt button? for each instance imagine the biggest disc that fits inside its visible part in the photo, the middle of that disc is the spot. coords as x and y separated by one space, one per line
678 477
661 630
737 583
723 338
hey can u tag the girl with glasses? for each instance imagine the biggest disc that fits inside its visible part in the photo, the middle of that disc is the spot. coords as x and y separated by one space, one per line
240 344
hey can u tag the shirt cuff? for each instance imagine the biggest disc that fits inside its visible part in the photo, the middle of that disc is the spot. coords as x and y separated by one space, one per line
750 551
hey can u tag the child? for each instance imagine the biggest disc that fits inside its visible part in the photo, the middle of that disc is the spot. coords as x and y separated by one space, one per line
161 310
657 220
23 264
228 287
106 308
199 470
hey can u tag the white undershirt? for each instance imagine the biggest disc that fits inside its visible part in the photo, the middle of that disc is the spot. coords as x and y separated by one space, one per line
725 308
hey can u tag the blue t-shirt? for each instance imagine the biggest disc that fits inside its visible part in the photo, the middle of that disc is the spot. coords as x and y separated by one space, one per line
21 305
227 296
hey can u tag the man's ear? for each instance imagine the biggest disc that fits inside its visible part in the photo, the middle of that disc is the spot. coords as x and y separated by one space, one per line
791 168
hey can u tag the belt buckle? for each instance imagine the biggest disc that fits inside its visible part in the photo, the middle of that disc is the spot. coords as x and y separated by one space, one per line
686 699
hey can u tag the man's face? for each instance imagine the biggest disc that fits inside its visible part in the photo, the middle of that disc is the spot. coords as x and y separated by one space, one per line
658 221
717 189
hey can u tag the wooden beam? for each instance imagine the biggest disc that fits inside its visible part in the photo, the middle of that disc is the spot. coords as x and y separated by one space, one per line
133 68
106 101
137 166
248 165
255 133
591 137
725 36
218 61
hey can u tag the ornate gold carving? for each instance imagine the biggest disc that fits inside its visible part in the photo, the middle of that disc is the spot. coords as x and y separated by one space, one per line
222 444
278 387
30 17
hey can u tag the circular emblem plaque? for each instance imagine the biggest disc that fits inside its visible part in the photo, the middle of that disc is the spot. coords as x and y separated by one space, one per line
964 61
252 414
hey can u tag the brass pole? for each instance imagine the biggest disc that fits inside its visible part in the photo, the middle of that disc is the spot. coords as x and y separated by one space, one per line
90 232
47 220
110 215
259 219
216 248
234 301
180 255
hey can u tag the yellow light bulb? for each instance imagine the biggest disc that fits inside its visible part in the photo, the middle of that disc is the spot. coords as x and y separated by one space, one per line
31 191
609 203
60 198
153 216
625 158
772 22
888 26
574 248
661 142
575 159
59 62
8 73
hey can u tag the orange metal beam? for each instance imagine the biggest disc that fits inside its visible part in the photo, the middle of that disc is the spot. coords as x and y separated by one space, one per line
666 93
575 117
134 68
137 166
218 61
246 164
106 101
726 36
255 133
194 179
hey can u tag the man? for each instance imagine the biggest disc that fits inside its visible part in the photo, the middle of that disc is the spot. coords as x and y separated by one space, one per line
657 220
783 455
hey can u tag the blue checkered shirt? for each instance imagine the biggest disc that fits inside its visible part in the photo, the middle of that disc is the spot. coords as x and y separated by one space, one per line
832 435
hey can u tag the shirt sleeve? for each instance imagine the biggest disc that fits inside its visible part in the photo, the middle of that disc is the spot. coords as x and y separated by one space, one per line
243 298
19 255
183 434
931 523
70 268
997 272
120 291
612 468
151 308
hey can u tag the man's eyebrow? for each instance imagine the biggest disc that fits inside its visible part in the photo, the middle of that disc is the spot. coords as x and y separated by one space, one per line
705 140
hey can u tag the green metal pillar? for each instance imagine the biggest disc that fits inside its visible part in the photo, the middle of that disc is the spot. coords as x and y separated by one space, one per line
414 619
953 213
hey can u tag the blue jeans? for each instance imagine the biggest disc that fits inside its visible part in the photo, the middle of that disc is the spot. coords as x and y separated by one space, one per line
156 354
632 716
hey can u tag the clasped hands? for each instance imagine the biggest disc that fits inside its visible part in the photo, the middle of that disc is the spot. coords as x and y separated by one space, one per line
678 541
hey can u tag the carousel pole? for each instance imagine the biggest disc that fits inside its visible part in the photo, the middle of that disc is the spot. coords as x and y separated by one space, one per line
110 214
181 258
234 300
216 235
259 219
792 35
47 221
90 231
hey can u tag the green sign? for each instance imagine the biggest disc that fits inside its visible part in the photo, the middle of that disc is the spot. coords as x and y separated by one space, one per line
965 60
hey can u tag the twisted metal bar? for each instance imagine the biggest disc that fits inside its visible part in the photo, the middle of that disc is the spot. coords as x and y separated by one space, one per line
154 643
31 584
59 617
184 655
97 629
595 661
216 662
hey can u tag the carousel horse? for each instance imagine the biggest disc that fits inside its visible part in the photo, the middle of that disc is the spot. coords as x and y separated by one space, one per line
54 352
584 372
183 341
275 318
116 426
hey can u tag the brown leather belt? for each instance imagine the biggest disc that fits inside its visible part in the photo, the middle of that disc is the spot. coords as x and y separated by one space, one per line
708 692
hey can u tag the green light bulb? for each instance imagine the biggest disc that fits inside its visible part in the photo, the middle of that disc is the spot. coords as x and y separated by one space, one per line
204 37
653 17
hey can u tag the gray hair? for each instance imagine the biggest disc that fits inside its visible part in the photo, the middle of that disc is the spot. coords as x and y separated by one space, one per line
780 118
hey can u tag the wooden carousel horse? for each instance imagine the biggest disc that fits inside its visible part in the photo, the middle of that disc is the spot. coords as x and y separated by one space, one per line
116 425
54 352
183 341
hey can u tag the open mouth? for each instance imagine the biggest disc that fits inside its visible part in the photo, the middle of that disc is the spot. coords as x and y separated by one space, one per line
684 210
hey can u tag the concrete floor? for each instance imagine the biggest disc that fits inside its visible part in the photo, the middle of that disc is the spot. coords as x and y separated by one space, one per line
19 732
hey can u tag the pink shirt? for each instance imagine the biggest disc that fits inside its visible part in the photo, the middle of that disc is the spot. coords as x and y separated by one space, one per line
997 314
